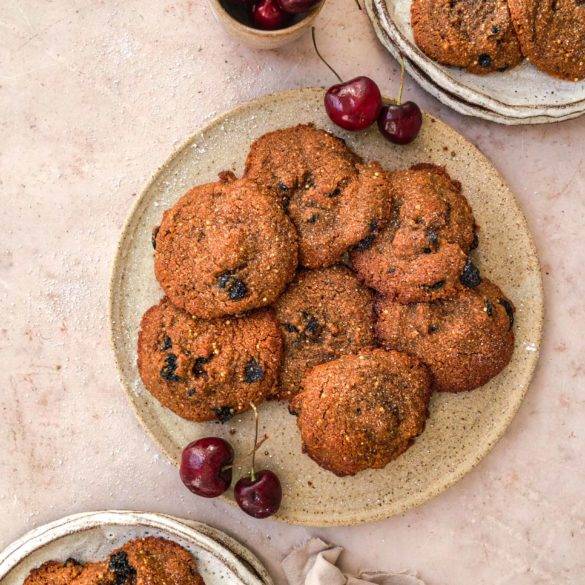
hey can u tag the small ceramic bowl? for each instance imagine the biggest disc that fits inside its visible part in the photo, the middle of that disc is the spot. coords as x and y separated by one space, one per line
263 39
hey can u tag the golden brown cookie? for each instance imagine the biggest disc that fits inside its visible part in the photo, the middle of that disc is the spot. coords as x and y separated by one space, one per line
146 561
422 253
465 340
362 411
477 35
225 248
552 35
334 200
323 315
205 370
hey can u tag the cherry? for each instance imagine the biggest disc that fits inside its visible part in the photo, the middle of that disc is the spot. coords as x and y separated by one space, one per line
400 123
206 466
259 494
355 104
267 15
297 6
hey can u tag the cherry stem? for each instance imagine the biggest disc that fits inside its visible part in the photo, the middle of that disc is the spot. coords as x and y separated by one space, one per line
358 4
321 56
399 101
253 472
244 457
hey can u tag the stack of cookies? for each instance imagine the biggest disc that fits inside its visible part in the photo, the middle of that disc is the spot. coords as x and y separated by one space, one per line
329 282
494 35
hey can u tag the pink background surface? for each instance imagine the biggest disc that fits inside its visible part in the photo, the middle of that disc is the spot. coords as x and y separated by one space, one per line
94 95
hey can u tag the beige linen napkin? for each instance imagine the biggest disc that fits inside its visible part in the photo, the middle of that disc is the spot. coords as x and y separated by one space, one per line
314 563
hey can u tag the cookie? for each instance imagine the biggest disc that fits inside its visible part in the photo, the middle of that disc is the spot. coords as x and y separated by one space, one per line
205 370
422 253
151 560
477 35
552 35
323 315
465 341
362 411
225 248
334 200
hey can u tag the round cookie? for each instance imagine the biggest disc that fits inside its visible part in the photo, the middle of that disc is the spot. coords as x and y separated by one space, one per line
477 35
465 341
323 315
421 255
362 411
334 200
225 248
149 560
205 370
552 35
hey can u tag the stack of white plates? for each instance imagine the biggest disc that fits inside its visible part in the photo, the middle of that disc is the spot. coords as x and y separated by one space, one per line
522 95
92 536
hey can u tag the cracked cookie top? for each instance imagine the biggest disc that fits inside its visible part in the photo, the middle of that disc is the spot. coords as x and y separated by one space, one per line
465 340
323 315
421 255
205 370
362 411
225 248
477 35
334 199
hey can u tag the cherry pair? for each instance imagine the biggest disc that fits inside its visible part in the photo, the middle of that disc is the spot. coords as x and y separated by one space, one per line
206 470
356 104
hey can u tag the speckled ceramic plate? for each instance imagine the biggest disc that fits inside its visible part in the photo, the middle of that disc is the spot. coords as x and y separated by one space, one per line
522 95
461 429
92 536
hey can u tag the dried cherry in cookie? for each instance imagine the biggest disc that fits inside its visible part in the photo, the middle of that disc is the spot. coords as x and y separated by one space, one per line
362 411
477 35
209 369
465 340
330 195
323 315
422 252
225 248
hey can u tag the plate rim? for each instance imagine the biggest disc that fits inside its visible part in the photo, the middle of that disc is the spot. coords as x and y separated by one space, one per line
377 11
41 536
373 514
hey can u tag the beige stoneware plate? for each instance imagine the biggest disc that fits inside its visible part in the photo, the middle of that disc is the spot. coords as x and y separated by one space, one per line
522 95
461 428
92 536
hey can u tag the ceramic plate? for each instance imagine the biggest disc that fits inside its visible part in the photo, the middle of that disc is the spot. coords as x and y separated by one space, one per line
461 428
522 95
93 535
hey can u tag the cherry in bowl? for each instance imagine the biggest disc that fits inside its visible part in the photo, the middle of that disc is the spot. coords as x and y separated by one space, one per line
268 15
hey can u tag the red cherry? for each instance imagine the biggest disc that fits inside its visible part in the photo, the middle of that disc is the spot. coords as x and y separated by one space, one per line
260 494
206 466
355 104
297 6
268 15
400 123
